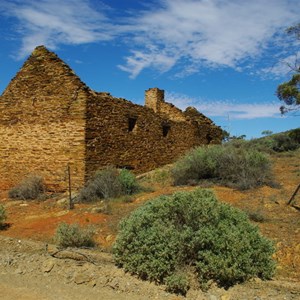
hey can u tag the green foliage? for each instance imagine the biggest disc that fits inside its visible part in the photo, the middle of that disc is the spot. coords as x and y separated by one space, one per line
109 183
280 142
225 136
283 142
29 189
256 216
229 165
128 182
192 230
177 283
104 184
2 215
289 91
294 134
267 132
74 236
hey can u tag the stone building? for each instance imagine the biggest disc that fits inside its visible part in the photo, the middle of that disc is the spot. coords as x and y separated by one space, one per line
49 118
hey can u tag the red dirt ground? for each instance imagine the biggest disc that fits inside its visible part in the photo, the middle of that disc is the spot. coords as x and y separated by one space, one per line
39 220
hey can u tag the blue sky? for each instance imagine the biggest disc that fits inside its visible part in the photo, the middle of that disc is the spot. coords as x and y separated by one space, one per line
225 57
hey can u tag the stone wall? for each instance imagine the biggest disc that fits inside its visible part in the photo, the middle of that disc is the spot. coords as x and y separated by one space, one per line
207 129
42 123
124 134
155 99
50 119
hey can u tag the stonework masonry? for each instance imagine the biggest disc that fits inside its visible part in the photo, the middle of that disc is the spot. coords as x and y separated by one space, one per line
50 119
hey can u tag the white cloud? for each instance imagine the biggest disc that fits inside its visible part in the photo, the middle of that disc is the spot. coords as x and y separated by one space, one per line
188 34
55 22
282 67
226 109
153 58
215 33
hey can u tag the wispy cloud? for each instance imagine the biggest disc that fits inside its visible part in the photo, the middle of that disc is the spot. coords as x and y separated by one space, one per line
215 33
55 22
282 66
226 109
154 58
188 34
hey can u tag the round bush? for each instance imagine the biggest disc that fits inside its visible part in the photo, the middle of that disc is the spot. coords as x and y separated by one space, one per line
29 189
128 182
109 183
72 235
192 230
232 166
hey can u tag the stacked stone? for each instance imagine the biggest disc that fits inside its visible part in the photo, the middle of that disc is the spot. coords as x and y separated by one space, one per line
42 122
49 120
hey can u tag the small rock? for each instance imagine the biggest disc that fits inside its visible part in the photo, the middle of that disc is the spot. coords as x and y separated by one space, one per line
212 297
109 238
47 266
114 283
256 280
63 202
92 283
97 210
225 297
19 271
82 278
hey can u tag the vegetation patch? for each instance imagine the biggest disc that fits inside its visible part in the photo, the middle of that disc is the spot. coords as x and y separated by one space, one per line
29 189
280 142
192 230
109 183
256 216
229 165
74 236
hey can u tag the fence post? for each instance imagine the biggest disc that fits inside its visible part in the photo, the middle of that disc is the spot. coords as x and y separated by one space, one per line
294 195
71 204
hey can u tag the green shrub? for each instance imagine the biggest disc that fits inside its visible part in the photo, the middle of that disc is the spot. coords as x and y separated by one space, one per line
284 142
29 189
177 283
105 184
256 216
128 182
244 168
200 163
192 230
2 215
280 142
226 164
295 135
74 236
109 183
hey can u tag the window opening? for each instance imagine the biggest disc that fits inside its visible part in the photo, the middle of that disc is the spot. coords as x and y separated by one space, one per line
165 130
131 124
208 138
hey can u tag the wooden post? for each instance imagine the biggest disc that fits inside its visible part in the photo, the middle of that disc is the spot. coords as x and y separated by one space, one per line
71 204
294 195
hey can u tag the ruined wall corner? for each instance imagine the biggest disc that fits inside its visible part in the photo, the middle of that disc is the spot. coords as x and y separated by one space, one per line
153 98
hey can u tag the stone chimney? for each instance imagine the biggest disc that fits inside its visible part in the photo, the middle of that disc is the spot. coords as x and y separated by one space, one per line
153 98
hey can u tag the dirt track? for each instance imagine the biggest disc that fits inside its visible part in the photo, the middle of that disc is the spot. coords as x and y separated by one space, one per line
30 271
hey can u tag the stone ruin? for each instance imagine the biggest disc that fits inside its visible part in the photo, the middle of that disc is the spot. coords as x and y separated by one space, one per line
50 119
